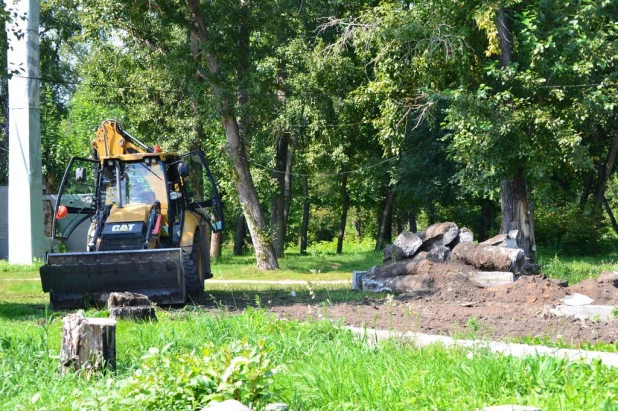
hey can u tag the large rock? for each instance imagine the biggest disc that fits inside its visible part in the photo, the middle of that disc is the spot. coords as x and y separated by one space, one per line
438 234
407 244
465 235
439 254
489 258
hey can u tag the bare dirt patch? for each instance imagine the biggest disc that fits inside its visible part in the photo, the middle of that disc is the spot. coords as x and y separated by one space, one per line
459 308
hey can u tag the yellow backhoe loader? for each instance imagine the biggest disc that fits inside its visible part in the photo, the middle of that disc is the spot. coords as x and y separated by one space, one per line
145 217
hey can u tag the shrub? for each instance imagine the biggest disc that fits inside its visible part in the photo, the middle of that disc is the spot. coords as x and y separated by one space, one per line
171 381
571 231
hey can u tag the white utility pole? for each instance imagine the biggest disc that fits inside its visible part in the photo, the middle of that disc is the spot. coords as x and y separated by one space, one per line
26 233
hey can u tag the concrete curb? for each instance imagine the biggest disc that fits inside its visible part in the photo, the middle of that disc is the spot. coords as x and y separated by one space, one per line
516 350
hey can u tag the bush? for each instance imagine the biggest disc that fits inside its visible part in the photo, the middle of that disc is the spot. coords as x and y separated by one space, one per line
167 381
571 231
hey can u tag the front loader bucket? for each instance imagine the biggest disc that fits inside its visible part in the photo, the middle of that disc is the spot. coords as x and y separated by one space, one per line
78 279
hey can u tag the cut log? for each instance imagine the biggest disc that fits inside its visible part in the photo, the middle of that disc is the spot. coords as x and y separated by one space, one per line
130 306
489 258
399 284
87 344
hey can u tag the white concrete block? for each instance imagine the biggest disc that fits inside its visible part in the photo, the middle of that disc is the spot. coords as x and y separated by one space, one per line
576 299
583 312
491 278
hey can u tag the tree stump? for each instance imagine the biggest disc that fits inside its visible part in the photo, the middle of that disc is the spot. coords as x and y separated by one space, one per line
87 344
130 306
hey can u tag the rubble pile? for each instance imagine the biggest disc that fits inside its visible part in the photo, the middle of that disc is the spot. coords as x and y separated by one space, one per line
416 261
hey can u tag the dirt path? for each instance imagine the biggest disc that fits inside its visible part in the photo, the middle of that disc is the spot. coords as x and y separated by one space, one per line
460 309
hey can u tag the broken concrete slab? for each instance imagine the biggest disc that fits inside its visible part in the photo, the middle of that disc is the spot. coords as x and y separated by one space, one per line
357 280
577 299
408 243
490 278
582 312
498 239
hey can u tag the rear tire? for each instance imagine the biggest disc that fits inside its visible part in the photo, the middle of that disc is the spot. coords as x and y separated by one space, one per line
194 268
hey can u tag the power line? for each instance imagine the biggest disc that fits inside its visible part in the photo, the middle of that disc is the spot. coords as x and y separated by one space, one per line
358 170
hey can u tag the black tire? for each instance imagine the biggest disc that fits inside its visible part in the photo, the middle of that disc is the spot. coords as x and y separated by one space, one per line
194 268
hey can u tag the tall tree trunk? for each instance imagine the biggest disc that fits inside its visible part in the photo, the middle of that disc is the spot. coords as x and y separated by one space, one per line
517 214
606 170
344 209
399 222
587 188
610 214
431 213
304 228
216 240
358 224
277 216
241 233
488 213
247 194
287 190
386 220
412 221
282 175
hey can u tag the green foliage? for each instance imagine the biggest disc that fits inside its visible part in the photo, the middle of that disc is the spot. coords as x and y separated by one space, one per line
570 231
575 269
5 266
172 381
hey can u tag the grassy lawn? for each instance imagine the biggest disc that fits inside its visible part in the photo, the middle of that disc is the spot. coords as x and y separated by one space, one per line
309 365
316 267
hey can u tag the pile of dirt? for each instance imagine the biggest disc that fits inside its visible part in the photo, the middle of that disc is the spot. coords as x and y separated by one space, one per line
602 292
529 290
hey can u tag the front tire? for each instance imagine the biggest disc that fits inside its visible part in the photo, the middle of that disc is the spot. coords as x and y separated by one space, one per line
194 268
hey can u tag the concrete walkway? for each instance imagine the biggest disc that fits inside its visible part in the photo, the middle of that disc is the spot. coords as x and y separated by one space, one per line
281 282
516 350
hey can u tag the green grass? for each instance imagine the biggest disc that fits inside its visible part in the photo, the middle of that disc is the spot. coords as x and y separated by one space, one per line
322 367
311 267
577 269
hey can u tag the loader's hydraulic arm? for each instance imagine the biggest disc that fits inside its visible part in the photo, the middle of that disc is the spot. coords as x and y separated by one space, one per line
111 140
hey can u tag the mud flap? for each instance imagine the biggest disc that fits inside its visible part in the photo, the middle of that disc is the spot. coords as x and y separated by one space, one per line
86 278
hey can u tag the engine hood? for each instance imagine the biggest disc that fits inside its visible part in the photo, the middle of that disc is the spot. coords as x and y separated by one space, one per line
130 212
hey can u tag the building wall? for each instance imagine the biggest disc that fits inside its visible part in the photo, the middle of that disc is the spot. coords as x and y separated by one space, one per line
4 223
